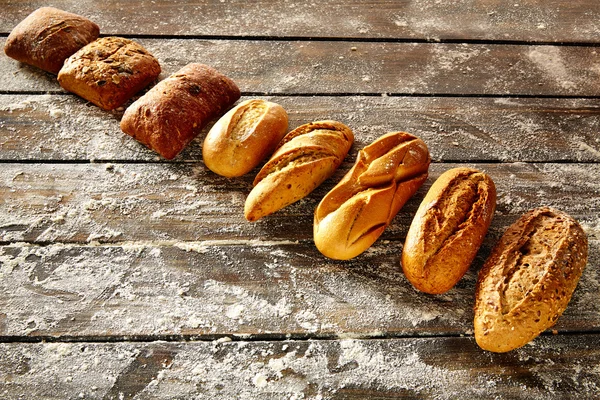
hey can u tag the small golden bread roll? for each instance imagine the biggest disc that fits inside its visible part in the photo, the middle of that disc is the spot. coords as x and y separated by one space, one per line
243 137
527 281
304 158
448 229
357 210
173 113
109 71
48 36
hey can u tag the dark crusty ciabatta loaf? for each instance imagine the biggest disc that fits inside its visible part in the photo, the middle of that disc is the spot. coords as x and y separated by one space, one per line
357 210
109 71
172 113
528 280
304 158
48 36
448 229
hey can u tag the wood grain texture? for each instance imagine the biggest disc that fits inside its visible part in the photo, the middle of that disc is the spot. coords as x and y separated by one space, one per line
434 368
307 67
531 20
259 289
66 128
161 202
118 270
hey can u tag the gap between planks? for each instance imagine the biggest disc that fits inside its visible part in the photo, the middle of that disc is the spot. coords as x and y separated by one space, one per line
295 38
358 94
259 337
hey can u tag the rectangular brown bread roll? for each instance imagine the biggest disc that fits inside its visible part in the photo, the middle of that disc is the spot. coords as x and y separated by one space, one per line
448 229
527 281
172 113
48 36
109 71
357 210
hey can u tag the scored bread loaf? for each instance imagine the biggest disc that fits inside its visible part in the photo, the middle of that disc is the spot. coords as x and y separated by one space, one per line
109 71
172 113
48 36
357 210
243 137
527 281
448 229
304 159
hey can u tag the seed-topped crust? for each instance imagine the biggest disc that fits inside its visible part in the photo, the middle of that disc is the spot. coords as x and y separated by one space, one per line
528 280
109 71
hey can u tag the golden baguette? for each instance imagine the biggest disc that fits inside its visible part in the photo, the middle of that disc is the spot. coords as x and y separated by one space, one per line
528 280
304 159
357 210
243 137
448 229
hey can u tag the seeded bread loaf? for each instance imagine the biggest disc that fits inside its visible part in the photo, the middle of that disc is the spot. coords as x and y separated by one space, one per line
243 137
304 159
48 36
357 210
109 71
448 229
527 281
172 113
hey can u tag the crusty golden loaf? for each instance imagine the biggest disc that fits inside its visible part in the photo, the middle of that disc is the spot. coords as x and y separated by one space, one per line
304 159
448 229
243 137
527 281
357 210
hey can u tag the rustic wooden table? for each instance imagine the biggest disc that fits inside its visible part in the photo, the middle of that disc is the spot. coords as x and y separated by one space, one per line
125 276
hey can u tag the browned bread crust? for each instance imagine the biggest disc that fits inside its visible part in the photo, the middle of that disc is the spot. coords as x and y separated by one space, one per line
357 210
448 229
304 159
48 36
528 280
172 113
109 71
243 137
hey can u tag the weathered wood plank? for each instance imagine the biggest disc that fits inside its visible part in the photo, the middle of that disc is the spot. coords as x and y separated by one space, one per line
553 367
256 288
162 202
58 127
532 20
295 67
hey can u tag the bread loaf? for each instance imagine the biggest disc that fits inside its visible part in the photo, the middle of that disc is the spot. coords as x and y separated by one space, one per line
528 280
448 229
109 71
172 113
48 36
357 210
243 137
304 159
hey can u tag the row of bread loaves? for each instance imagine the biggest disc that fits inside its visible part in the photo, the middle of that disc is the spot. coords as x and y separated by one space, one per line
525 284
109 71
